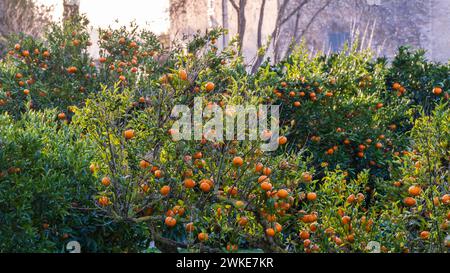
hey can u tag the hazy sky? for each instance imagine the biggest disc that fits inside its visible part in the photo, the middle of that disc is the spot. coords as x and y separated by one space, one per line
153 13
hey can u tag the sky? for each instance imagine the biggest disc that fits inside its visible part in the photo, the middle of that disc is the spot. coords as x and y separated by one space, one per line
151 14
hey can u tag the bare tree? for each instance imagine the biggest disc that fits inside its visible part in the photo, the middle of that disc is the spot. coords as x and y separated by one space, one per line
71 9
284 15
225 22
242 21
22 16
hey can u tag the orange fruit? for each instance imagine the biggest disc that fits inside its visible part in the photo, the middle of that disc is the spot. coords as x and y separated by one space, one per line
414 190
446 199
205 187
425 235
311 196
202 236
159 174
437 91
106 181
170 221
409 201
144 164
304 235
346 220
103 201
379 145
396 86
259 167
61 116
93 168
267 171
190 227
282 194
306 177
183 75
238 161
263 178
209 86
165 190
266 186
243 221
189 183
278 227
128 134
282 140
26 92
270 232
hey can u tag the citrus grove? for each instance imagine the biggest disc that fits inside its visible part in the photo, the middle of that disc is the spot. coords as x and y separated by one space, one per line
86 149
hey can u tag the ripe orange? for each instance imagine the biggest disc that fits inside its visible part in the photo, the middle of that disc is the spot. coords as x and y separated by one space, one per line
396 86
93 168
238 161
351 198
379 145
165 190
297 104
414 190
304 235
282 194
278 227
128 134
144 164
26 92
103 201
205 187
106 181
270 232
72 70
437 91
190 227
306 177
266 186
263 178
209 86
425 235
61 116
409 201
267 171
311 196
233 191
243 221
170 221
183 75
202 236
17 47
282 140
159 174
446 199
189 183
379 105
259 167
346 219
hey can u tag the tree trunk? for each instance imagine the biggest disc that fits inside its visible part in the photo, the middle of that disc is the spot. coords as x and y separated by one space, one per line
242 22
225 24
71 9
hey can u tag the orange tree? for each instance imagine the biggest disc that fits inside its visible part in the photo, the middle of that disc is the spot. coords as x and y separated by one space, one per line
200 195
46 190
55 72
339 109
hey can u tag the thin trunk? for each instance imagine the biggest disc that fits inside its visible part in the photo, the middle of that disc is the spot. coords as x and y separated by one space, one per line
259 58
71 9
242 22
225 22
